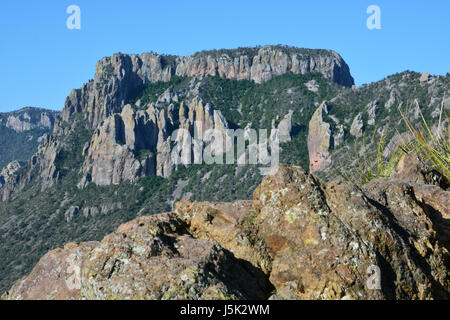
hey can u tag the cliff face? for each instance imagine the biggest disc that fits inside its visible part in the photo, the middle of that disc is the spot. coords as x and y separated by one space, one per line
305 239
136 143
27 119
101 103
266 63
117 77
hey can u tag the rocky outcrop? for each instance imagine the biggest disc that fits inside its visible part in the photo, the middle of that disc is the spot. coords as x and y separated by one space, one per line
306 240
424 78
139 143
8 171
44 161
285 127
22 131
264 63
357 127
99 105
28 118
122 148
319 140
43 164
317 242
372 108
411 168
392 99
338 136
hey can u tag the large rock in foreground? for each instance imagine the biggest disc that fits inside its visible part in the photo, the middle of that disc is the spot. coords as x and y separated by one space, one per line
311 241
147 258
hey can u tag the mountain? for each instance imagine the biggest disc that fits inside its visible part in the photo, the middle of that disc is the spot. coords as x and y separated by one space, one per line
22 131
109 158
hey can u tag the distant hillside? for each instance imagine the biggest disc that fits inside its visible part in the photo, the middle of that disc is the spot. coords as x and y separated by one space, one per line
21 132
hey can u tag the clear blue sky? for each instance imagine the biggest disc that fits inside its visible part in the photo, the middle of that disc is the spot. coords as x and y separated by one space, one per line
41 60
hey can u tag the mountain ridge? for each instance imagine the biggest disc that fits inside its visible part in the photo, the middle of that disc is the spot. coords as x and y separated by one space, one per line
106 160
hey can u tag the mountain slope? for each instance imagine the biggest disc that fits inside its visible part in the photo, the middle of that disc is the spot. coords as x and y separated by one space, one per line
21 132
108 158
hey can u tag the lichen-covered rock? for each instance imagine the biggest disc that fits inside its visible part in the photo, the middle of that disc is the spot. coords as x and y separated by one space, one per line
320 242
326 238
148 258
411 168
55 277
227 224
306 240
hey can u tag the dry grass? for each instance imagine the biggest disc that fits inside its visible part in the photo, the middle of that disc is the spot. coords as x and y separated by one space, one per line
431 146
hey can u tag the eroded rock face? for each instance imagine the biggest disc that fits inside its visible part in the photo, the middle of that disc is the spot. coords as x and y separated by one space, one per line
122 148
27 119
411 168
372 108
266 63
55 277
319 140
424 78
138 143
43 162
100 107
8 171
285 127
117 77
357 127
310 240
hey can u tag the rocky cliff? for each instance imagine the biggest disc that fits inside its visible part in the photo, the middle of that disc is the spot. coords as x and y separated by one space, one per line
22 131
119 79
306 240
27 119
119 76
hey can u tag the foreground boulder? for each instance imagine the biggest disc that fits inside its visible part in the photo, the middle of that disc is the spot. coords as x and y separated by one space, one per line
147 258
297 239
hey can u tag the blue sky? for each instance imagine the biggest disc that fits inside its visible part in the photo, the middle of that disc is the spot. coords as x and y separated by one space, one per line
41 60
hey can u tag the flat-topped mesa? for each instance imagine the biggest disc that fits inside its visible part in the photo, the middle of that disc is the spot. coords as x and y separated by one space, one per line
119 76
